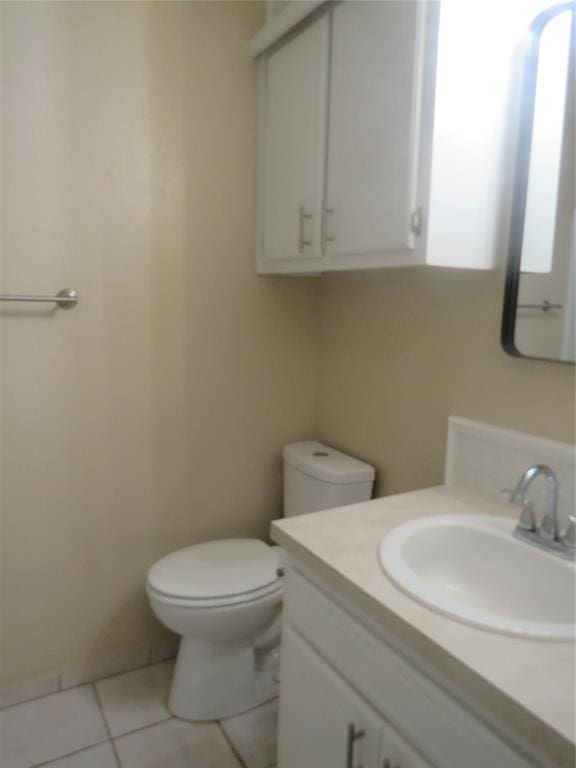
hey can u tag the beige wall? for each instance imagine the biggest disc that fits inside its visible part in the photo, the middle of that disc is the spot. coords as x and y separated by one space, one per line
152 415
403 349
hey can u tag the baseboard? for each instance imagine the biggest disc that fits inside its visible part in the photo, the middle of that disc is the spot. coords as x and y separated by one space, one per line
61 681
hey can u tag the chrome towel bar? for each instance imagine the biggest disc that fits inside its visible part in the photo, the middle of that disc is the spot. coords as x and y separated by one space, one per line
66 298
545 306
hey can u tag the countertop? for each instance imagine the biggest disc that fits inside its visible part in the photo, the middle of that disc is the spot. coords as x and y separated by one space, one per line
526 685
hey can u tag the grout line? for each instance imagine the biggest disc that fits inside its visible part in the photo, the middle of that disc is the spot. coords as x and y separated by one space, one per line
149 725
101 710
106 726
240 714
69 754
262 704
94 680
230 744
125 672
34 698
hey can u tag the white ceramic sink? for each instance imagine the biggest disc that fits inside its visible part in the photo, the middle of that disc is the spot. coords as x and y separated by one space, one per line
473 569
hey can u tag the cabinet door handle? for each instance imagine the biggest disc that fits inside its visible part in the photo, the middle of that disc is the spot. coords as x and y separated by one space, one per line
326 238
352 738
302 215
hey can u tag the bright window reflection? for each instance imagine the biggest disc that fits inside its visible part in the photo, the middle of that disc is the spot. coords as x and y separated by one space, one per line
477 39
546 150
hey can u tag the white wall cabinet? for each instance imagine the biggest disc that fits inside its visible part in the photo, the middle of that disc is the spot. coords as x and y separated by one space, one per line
373 128
343 174
294 126
349 698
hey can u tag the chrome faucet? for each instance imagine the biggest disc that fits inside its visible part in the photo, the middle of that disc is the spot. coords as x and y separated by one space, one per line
546 535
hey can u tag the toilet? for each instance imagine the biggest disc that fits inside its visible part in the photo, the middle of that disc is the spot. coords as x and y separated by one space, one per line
224 597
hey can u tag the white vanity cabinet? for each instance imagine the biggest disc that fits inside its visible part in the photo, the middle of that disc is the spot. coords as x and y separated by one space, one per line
345 730
343 724
341 181
350 697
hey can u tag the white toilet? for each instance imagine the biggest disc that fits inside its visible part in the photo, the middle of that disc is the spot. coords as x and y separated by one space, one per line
224 597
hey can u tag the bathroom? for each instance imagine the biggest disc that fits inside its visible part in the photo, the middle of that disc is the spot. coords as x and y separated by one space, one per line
152 414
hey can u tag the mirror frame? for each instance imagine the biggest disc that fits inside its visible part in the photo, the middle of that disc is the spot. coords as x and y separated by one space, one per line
520 190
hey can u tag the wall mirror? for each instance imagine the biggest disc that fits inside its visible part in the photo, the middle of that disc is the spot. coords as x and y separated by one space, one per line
539 316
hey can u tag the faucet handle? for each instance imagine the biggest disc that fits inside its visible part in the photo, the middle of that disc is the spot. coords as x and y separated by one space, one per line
548 528
569 535
527 519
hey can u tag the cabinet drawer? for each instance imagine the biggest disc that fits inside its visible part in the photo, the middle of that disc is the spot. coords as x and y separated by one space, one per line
437 725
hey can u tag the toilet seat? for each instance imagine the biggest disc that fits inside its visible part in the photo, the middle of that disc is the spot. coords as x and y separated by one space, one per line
217 573
223 602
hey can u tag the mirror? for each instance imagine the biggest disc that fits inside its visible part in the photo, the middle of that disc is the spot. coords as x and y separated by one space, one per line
539 305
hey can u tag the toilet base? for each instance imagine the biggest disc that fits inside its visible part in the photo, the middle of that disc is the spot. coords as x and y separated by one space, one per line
212 681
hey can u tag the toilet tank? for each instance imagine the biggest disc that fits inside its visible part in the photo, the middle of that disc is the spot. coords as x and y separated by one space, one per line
319 477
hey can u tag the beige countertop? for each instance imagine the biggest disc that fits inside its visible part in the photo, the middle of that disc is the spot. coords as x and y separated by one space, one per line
526 685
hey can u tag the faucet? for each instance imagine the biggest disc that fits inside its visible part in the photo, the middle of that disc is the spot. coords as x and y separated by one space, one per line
546 535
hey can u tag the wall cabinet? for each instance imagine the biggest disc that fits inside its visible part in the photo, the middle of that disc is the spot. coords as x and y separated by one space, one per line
349 698
372 129
343 175
293 178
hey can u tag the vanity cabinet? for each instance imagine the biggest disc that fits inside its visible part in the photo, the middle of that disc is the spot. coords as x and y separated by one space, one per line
346 731
349 696
343 723
341 182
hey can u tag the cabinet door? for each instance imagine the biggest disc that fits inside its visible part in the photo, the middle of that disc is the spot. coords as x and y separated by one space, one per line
318 711
374 121
294 137
396 753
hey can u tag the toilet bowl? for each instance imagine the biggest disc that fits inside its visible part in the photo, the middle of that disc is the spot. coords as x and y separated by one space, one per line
224 599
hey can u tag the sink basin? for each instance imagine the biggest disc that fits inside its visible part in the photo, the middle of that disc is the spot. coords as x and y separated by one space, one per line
471 568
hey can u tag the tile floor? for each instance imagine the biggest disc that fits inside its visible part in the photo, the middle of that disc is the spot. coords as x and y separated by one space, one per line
123 722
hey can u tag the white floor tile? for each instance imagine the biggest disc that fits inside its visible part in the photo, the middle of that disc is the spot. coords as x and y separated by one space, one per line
51 727
254 735
136 699
95 757
176 744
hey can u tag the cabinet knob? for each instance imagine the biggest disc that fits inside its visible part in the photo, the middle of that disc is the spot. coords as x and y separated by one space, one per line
352 737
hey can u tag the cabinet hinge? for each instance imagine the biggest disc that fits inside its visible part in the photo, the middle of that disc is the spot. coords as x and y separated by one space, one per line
416 221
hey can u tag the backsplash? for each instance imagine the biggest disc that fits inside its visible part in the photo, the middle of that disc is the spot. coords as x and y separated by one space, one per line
487 458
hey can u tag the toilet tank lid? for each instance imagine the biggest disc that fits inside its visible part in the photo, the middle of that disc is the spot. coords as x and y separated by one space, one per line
327 464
